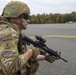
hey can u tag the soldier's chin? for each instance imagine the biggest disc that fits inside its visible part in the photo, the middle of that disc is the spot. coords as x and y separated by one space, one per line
24 28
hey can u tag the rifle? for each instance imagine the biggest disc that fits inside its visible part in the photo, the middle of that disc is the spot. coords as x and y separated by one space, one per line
40 43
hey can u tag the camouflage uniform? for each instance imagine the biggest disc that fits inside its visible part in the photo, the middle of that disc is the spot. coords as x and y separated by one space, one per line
11 61
11 46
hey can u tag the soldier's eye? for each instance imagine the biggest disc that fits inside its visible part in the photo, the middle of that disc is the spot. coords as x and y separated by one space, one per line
25 16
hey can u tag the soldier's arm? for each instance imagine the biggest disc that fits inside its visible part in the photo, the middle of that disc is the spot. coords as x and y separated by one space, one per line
49 58
40 57
27 55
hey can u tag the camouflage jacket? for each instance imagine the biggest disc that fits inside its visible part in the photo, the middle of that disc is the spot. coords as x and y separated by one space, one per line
9 44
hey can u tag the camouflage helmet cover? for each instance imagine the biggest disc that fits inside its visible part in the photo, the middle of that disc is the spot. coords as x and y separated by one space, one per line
15 9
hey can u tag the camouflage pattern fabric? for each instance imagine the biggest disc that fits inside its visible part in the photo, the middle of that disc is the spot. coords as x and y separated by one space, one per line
10 60
8 49
18 9
32 65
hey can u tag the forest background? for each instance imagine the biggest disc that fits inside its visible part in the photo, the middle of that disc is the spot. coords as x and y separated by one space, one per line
53 18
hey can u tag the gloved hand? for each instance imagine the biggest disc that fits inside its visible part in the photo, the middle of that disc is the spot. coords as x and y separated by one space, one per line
51 58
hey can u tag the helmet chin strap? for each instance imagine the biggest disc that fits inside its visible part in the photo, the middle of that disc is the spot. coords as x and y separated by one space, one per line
19 24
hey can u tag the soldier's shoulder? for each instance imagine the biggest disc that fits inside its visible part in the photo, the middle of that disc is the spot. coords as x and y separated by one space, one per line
4 25
5 28
4 22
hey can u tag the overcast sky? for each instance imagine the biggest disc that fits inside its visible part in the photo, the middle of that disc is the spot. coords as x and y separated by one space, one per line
46 6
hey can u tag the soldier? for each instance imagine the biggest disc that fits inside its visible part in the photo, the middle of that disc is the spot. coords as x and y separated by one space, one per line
15 59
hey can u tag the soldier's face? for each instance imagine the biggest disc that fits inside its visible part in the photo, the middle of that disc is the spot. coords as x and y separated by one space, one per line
24 23
21 22
24 20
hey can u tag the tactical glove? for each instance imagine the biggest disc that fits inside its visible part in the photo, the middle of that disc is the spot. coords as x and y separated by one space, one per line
51 58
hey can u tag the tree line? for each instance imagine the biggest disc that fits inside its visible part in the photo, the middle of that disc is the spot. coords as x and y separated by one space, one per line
53 18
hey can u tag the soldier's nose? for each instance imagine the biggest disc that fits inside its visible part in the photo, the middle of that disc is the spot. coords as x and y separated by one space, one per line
28 21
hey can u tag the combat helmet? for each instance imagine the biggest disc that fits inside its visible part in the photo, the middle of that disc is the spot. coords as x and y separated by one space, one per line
15 9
